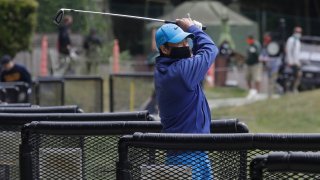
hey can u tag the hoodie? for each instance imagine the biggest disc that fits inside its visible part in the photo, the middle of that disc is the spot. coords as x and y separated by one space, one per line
182 104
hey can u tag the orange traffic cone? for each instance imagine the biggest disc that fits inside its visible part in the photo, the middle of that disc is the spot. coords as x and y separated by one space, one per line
116 52
44 56
210 76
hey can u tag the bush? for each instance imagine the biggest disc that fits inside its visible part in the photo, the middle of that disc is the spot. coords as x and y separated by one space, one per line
18 22
48 9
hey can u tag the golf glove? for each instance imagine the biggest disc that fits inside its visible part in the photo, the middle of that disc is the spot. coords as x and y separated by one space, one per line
198 24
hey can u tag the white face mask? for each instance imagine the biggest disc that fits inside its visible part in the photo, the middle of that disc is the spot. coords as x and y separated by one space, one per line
297 35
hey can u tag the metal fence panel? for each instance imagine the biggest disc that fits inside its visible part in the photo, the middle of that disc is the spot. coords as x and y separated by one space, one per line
211 156
87 92
130 91
286 165
97 142
49 92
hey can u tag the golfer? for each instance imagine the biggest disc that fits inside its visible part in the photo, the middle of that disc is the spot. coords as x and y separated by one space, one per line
179 71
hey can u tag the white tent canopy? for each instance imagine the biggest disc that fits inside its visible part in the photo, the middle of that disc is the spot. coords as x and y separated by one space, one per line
208 13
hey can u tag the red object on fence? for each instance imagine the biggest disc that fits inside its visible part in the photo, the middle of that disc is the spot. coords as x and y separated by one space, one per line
44 56
210 76
116 54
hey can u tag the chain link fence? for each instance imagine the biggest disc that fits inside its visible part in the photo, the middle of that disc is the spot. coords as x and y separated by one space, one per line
10 127
85 91
286 165
85 150
130 91
216 156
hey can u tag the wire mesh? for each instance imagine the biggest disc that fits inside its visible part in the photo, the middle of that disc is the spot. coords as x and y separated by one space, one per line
50 93
155 164
170 164
131 93
286 165
289 175
73 157
9 152
209 156
95 154
87 93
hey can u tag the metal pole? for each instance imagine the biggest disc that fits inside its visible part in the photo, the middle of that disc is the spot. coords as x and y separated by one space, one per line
113 14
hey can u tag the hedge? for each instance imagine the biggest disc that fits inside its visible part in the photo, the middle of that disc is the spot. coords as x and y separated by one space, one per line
17 24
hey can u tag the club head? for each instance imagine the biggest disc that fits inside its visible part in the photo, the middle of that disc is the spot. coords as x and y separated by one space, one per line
58 17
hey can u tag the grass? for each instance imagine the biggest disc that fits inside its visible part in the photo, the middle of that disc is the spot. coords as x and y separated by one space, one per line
294 113
224 92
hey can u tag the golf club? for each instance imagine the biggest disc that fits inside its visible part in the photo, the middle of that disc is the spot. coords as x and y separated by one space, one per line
59 16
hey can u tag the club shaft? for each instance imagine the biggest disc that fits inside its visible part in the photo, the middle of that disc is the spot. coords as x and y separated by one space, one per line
116 15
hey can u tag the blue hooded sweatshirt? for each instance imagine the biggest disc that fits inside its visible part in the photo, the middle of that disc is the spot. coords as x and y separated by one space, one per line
182 104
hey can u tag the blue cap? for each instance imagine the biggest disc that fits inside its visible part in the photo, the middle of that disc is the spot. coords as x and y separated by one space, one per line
5 59
170 33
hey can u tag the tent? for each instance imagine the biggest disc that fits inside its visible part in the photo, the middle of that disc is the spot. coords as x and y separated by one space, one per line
210 14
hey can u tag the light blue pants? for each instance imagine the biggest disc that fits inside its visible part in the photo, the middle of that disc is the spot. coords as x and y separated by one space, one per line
198 160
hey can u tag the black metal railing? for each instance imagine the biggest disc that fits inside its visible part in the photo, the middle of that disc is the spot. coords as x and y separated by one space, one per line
193 156
16 92
10 126
37 109
90 148
286 165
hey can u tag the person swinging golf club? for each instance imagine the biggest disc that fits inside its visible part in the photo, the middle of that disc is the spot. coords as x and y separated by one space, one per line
179 71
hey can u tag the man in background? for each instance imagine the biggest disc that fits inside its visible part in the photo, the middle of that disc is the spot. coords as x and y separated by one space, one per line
254 66
12 72
64 41
293 49
92 45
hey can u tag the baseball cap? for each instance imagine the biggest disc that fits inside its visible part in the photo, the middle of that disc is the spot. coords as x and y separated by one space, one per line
171 33
5 59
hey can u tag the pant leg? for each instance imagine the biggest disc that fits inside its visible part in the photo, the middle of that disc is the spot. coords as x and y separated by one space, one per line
197 160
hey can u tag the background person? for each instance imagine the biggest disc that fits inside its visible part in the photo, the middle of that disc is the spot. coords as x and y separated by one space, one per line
293 50
12 72
271 64
92 45
64 64
182 104
254 66
64 41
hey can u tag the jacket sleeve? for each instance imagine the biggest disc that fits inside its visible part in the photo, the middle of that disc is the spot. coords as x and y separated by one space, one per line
205 51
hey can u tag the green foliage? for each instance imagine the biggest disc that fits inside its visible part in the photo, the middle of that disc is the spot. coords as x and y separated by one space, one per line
18 21
48 8
82 23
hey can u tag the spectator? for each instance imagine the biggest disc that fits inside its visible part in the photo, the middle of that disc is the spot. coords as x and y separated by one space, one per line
12 72
254 66
64 41
182 104
92 44
66 52
293 48
271 64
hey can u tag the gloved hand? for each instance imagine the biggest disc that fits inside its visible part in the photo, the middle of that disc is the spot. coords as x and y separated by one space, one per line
198 24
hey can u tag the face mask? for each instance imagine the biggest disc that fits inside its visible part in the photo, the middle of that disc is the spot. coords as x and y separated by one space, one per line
250 41
297 35
180 52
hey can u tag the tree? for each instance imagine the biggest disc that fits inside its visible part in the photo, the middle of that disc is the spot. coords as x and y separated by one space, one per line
18 22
